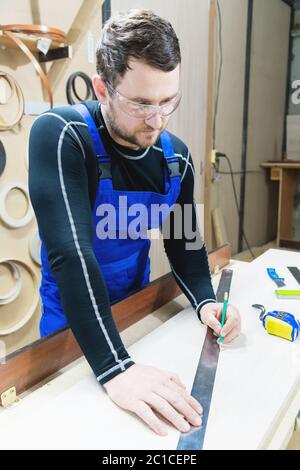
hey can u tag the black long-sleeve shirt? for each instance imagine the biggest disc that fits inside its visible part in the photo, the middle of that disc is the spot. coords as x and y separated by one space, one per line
62 187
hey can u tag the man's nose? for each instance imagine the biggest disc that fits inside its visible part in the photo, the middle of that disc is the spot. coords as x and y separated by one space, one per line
155 121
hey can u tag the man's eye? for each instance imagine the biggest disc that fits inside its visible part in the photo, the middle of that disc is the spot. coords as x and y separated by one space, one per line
134 105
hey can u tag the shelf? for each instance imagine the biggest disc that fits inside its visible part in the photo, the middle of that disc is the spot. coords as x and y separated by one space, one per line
289 164
56 51
29 41
292 243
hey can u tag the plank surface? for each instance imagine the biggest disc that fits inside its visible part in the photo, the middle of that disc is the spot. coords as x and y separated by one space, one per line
33 363
257 377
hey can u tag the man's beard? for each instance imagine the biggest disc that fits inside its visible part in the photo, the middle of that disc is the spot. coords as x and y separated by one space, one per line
126 136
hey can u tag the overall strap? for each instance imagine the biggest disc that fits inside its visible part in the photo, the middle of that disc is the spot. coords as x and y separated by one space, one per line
97 142
104 163
171 159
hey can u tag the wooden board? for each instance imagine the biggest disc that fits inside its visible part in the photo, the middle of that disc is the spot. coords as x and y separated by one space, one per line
257 380
281 164
35 362
287 175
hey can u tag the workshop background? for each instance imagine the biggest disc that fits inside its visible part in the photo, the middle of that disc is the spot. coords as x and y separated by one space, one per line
240 110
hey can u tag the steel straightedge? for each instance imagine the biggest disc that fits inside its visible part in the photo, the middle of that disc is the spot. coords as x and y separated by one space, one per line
295 272
204 380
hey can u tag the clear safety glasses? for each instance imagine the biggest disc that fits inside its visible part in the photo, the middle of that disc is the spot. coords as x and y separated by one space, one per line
145 111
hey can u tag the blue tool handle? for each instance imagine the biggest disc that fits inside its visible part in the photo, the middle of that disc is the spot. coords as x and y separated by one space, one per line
273 274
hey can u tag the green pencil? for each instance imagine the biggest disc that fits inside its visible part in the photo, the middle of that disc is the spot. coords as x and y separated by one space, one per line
224 315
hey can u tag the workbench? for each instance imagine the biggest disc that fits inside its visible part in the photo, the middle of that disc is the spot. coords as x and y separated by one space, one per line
287 174
256 396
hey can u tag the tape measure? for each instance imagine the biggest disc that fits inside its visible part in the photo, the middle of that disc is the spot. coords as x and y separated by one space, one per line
279 323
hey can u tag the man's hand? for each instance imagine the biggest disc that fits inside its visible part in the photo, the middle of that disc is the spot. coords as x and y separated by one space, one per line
211 314
145 390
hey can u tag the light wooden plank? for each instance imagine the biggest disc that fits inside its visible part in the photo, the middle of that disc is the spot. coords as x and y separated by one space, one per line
252 375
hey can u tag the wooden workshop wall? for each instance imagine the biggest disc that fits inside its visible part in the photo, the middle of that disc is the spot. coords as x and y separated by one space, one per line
229 122
77 18
270 43
270 35
190 21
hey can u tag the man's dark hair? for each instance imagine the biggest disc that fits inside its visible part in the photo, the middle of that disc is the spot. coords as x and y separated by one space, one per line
139 34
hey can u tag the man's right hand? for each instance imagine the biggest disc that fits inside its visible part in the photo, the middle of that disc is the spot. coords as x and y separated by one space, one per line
145 390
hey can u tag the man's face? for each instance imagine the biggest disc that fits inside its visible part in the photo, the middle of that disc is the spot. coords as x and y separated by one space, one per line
145 85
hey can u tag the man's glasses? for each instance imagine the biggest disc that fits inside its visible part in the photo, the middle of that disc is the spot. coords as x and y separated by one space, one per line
145 111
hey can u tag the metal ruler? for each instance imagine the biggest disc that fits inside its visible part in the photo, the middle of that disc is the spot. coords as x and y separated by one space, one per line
205 375
295 272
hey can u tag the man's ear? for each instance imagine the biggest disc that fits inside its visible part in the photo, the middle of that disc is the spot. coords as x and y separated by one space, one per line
100 88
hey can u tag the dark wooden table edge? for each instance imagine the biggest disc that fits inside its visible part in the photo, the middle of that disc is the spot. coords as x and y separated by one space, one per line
30 365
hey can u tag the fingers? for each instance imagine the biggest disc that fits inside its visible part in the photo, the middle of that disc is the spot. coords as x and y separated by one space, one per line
191 400
176 379
232 327
146 391
231 336
164 408
144 411
182 403
211 316
174 404
231 321
214 324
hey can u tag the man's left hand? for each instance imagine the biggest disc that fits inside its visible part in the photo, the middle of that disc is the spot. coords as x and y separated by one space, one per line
211 315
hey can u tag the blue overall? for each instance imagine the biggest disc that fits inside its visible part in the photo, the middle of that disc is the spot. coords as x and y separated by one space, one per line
123 256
